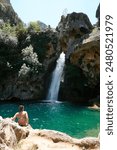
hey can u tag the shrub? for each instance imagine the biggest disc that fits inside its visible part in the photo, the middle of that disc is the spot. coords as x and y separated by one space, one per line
8 29
34 27
24 70
29 56
30 62
21 31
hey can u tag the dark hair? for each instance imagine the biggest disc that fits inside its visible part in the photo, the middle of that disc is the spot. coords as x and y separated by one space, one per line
21 108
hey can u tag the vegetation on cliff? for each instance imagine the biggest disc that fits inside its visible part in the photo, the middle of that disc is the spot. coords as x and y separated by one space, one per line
25 53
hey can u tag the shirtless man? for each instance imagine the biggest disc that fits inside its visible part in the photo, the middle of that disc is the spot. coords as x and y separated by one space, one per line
22 116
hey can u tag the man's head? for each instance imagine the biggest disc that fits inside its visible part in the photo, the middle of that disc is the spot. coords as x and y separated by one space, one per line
21 108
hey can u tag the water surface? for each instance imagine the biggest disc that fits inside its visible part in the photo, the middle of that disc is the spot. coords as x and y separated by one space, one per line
65 117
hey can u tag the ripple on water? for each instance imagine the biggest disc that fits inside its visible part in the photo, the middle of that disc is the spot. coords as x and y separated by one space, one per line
65 117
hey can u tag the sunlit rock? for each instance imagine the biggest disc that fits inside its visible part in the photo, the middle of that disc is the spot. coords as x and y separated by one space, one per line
14 137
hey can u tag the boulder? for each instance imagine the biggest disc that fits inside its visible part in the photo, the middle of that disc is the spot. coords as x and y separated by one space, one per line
11 133
72 26
14 137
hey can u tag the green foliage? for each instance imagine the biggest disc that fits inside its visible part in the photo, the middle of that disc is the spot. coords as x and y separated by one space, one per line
34 27
8 29
30 56
30 62
21 31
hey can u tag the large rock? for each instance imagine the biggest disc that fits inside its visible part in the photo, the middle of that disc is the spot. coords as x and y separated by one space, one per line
87 57
81 43
71 27
14 137
7 13
10 133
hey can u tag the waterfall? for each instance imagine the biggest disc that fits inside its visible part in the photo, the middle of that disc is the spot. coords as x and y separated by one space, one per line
56 78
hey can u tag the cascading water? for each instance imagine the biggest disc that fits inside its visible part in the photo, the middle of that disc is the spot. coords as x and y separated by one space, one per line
56 78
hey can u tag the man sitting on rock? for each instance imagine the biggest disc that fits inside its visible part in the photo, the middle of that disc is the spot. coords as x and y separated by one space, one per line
22 116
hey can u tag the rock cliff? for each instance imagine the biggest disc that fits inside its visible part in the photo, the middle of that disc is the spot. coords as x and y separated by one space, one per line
15 137
25 64
25 57
7 13
81 43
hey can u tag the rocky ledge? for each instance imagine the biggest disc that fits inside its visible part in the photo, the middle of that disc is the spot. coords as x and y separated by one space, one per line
15 137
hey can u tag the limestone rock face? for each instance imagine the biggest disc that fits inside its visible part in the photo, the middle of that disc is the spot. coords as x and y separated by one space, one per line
87 57
10 134
7 13
71 27
81 43
32 85
14 137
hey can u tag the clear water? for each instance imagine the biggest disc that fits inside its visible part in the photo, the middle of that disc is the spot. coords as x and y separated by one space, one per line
65 117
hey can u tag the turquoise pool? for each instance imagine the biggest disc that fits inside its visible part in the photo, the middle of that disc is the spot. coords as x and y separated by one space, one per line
69 118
